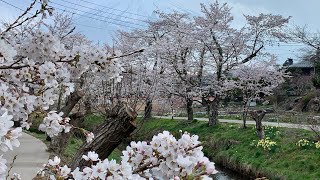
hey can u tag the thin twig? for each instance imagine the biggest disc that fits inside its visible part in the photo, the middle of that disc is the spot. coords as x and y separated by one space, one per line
11 165
16 24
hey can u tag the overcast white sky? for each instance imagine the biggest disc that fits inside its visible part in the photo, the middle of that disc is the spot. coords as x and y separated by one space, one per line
98 19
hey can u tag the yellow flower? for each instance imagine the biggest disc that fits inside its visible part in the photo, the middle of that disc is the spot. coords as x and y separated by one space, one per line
303 143
266 143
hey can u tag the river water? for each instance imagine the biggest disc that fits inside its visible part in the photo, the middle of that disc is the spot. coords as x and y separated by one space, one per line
226 174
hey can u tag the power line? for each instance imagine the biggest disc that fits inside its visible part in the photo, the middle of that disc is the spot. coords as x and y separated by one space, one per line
95 15
63 10
84 25
12 5
32 14
183 9
114 9
103 11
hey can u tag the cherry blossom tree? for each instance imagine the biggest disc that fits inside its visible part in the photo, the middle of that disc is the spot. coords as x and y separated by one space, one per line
256 81
180 56
228 47
145 70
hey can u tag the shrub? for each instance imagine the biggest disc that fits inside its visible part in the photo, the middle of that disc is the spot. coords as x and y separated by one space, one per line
308 97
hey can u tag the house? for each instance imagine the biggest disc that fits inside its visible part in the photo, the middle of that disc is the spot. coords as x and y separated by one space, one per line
302 68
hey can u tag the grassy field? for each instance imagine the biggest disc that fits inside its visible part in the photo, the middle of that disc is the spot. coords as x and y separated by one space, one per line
234 147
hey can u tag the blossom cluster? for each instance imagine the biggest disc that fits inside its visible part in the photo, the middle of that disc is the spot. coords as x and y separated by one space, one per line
317 145
8 139
164 157
266 144
54 124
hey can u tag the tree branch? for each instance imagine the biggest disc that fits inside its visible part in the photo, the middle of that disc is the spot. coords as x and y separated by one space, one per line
254 54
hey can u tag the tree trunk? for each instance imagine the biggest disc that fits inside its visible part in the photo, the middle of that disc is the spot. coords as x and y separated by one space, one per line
72 100
88 106
258 116
59 99
245 115
59 142
148 109
190 109
118 126
212 111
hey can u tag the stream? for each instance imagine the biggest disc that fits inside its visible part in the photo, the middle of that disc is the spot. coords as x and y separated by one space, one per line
226 174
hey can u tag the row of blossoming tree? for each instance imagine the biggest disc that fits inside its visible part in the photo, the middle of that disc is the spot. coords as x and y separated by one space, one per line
45 65
205 57
40 65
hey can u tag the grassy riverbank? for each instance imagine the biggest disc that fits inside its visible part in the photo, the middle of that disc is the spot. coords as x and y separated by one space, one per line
234 147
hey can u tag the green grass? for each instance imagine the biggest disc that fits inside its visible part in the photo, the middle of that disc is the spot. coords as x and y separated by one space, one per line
229 145
91 121
71 149
196 115
116 155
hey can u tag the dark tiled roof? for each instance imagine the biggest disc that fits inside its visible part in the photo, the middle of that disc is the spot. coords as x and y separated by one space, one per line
302 64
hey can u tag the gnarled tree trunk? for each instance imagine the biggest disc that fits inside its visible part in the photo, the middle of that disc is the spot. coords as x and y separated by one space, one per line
190 109
58 143
258 116
118 126
212 111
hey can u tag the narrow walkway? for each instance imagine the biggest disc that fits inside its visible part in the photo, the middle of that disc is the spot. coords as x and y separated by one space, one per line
31 155
275 124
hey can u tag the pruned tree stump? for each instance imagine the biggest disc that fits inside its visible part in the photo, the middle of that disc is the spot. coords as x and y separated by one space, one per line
257 116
